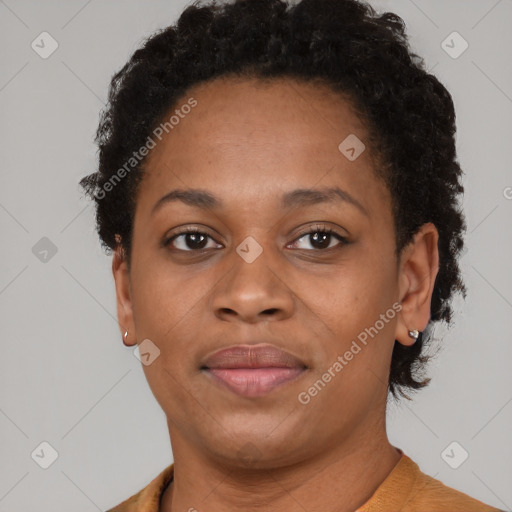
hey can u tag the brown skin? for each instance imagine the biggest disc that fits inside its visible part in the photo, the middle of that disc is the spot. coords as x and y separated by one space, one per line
248 143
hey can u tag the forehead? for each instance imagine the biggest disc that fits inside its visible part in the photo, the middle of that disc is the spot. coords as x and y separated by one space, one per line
255 136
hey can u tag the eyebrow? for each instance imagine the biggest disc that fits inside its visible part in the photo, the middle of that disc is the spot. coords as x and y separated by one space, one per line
199 198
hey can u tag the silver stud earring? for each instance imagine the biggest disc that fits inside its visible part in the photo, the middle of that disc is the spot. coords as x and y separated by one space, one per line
414 334
125 335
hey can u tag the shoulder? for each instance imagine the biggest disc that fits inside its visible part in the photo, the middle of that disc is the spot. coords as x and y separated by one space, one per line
148 498
408 489
428 493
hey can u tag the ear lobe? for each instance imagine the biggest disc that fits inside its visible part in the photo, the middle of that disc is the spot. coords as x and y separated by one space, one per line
419 265
123 296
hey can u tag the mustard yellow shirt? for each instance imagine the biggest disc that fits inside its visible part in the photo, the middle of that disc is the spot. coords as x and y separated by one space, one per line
405 489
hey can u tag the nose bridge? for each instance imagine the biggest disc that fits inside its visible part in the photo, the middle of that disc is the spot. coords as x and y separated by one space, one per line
252 287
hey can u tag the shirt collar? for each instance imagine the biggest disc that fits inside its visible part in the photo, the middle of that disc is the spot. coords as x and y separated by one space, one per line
391 494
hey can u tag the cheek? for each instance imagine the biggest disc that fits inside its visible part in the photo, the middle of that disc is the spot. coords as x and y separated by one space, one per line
167 304
356 344
175 394
354 297
355 306
166 311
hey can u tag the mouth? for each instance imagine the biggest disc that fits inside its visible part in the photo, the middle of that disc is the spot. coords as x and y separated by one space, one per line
253 370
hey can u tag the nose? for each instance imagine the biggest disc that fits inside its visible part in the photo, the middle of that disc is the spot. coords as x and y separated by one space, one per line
253 292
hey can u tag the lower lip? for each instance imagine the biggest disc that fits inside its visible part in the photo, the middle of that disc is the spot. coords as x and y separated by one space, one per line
253 382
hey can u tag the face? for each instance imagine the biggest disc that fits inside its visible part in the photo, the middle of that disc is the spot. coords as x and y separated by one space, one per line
295 248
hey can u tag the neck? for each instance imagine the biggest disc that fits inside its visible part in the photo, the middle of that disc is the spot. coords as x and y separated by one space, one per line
340 479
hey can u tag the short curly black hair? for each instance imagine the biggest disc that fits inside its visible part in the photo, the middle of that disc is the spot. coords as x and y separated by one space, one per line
344 44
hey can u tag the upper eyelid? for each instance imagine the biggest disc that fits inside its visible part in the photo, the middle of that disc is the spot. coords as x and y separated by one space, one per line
316 228
194 229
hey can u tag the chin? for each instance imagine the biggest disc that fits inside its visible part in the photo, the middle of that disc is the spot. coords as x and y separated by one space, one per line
246 446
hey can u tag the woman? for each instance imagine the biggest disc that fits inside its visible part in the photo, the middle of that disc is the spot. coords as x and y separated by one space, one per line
279 186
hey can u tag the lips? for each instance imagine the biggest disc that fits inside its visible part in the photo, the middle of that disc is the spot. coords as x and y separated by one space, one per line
253 370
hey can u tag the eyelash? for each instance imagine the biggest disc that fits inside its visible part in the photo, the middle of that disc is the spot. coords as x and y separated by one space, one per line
314 229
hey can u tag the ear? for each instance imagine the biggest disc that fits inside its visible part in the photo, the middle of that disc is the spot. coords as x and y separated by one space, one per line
419 265
123 294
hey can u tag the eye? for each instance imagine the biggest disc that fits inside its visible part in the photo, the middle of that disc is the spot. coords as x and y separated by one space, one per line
190 240
320 238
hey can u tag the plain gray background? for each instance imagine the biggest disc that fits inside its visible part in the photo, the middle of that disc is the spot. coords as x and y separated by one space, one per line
66 377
